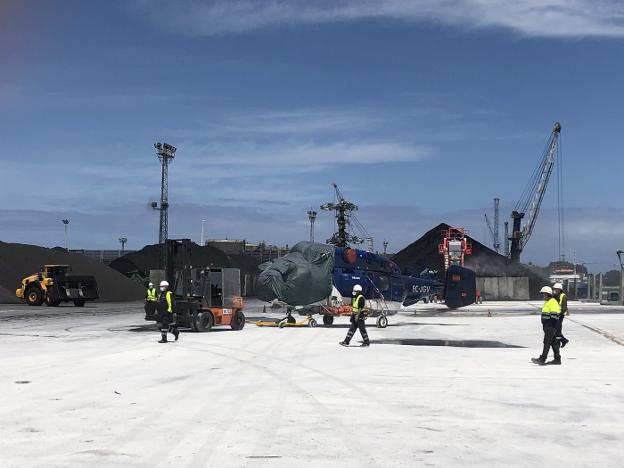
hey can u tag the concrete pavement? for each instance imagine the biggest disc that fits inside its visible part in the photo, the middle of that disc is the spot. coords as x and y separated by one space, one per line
93 387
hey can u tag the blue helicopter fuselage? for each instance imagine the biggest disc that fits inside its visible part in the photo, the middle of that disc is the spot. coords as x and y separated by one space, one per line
379 277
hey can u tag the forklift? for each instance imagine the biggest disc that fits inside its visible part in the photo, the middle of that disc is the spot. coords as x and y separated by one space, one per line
204 297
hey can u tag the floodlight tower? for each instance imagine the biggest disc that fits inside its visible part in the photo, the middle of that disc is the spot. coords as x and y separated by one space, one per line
312 218
385 244
122 241
165 153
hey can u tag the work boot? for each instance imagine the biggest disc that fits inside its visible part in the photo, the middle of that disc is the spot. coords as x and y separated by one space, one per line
564 341
343 343
176 333
555 362
539 361
365 344
163 338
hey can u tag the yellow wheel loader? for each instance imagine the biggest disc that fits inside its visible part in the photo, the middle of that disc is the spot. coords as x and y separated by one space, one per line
55 284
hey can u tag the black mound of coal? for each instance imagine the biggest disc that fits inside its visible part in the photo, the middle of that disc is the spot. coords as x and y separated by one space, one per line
148 257
423 253
20 260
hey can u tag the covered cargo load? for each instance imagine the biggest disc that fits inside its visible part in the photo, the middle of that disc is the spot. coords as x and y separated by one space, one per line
301 277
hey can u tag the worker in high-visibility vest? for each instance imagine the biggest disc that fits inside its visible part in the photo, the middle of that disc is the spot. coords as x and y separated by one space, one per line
550 325
358 317
166 316
563 303
150 301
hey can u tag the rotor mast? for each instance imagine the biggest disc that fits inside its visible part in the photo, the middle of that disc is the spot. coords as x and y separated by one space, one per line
343 209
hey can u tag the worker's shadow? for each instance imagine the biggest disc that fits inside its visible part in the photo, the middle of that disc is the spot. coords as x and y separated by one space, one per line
393 325
451 343
154 329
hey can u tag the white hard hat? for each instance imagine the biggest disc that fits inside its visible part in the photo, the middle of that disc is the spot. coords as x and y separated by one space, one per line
557 286
164 284
547 290
357 288
150 284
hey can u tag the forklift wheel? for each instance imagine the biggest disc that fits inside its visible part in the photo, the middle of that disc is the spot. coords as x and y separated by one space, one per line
238 321
312 323
382 322
328 320
204 321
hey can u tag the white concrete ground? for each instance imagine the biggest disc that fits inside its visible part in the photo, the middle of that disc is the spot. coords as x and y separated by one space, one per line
92 387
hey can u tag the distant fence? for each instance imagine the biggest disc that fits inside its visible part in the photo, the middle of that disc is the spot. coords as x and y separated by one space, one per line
504 288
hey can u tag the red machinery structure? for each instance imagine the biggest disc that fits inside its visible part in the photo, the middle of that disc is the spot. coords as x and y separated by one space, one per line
454 247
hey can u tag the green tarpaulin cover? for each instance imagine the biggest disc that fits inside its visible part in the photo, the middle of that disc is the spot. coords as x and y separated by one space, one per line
301 277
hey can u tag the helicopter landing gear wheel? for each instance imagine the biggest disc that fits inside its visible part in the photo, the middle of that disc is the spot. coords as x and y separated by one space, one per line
382 322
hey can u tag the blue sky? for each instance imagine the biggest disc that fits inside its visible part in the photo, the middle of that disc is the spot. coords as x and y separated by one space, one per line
422 112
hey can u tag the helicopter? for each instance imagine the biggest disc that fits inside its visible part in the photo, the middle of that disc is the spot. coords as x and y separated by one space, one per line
318 278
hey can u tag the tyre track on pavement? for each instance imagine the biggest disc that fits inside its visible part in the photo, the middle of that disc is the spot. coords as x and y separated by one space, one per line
364 455
224 411
187 395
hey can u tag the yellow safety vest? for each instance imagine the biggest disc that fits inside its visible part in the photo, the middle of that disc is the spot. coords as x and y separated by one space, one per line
151 294
168 299
551 308
354 304
562 296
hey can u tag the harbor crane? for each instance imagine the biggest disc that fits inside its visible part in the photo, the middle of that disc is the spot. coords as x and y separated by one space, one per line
532 197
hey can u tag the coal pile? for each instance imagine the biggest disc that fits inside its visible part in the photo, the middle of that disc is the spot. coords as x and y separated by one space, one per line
20 260
423 253
146 259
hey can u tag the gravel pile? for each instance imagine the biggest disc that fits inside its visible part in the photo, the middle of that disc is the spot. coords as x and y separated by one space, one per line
147 259
423 253
20 260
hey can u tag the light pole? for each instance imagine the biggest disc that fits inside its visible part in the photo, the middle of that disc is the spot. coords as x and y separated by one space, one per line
65 223
385 244
122 241
312 218
202 233
619 254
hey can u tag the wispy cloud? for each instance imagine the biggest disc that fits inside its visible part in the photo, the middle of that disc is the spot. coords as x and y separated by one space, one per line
298 156
559 18
299 121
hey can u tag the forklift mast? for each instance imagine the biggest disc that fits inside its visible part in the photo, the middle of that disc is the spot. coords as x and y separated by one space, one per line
214 287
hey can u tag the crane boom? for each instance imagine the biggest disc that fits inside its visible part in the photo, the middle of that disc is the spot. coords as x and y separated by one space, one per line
489 226
533 195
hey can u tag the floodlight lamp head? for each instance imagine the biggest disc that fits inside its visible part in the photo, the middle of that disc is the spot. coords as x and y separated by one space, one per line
65 221
165 150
